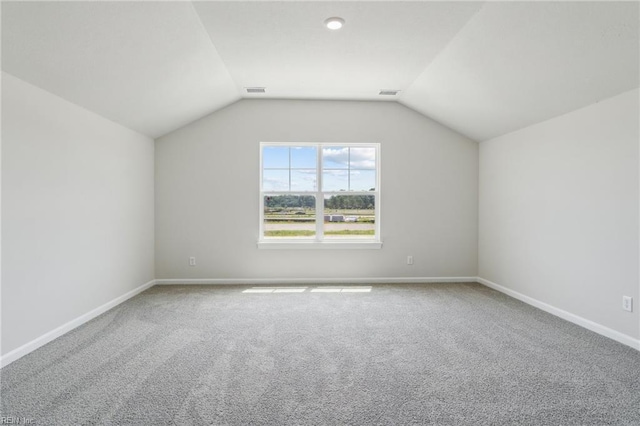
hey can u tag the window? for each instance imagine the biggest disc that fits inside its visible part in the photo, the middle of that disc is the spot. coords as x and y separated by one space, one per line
320 194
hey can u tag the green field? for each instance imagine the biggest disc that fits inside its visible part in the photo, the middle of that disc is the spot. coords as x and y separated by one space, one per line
289 233
305 233
294 216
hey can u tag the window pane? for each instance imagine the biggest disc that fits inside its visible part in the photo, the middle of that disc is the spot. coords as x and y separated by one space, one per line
290 216
294 172
363 158
335 157
335 180
275 157
303 157
349 216
303 180
363 180
275 180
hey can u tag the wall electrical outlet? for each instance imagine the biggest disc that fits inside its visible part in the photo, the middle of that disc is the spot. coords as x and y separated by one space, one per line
192 261
409 260
627 303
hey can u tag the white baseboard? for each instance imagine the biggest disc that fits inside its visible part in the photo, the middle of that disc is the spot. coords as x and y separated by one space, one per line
17 353
260 281
583 322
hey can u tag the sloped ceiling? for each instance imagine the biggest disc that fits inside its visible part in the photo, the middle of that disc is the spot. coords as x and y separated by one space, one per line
149 66
483 69
286 48
516 64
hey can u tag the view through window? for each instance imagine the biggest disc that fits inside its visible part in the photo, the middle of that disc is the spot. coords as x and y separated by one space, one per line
319 191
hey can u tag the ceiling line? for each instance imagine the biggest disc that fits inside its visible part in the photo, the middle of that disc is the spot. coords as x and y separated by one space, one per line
215 50
444 48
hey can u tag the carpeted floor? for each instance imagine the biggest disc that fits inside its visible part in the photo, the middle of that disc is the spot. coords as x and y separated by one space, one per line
442 354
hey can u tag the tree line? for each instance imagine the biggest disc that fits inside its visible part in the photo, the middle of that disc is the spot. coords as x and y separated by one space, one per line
351 202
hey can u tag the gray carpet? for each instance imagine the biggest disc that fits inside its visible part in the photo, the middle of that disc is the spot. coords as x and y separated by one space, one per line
442 354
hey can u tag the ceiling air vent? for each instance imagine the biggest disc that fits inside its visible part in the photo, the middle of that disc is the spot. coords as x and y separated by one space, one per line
389 92
254 89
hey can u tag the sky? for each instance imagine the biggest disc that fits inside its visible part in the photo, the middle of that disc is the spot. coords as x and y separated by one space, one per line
344 168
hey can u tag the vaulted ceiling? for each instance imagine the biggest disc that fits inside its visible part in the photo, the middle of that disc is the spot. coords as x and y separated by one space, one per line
481 68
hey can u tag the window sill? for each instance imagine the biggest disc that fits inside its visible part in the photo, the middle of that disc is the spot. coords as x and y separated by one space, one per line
319 245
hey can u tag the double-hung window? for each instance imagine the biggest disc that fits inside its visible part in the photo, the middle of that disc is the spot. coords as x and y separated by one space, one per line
320 195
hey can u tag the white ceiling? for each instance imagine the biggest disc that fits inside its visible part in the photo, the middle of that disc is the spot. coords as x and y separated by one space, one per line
483 69
149 66
284 47
516 64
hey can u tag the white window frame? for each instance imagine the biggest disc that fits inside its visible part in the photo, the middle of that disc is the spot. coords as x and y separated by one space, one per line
319 242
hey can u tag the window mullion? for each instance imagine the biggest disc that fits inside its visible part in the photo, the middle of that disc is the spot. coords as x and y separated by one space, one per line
261 195
261 223
319 197
376 212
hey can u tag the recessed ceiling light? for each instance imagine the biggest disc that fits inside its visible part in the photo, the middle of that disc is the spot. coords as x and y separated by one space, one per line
334 23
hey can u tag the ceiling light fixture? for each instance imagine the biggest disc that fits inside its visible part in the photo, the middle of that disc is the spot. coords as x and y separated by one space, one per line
334 23
387 92
255 89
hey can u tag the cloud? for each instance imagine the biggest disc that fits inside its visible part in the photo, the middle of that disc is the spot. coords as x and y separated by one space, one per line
303 181
339 173
308 172
361 158
274 184
336 155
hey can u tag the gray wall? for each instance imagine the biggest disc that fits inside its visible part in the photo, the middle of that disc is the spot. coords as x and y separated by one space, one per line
207 178
77 211
559 212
